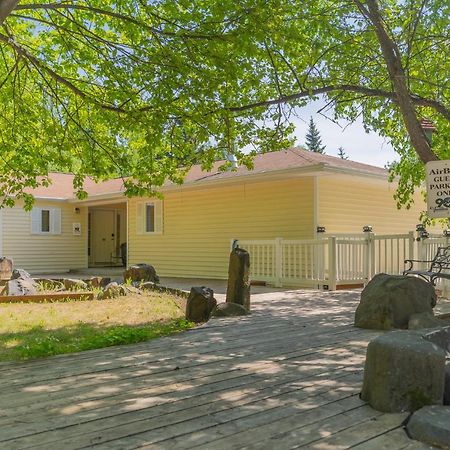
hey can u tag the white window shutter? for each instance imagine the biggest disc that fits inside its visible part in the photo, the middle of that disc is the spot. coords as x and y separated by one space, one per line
55 221
158 217
139 217
36 220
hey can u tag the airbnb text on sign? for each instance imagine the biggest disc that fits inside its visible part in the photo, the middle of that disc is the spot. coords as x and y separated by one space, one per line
438 188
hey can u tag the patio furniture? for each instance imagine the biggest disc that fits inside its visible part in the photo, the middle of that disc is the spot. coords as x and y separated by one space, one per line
438 265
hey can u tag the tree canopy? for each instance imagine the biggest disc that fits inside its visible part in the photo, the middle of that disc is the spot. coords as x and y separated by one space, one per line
313 139
341 153
144 89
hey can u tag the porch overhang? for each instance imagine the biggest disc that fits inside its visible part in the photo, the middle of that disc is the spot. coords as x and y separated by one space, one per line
100 199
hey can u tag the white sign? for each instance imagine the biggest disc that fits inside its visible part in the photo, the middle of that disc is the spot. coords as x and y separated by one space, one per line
438 188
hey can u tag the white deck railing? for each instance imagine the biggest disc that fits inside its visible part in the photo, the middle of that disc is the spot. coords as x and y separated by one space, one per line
341 259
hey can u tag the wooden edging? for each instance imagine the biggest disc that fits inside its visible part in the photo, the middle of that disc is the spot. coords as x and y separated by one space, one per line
39 298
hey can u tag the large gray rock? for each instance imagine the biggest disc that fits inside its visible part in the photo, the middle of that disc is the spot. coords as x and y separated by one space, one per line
73 284
440 337
97 282
229 310
388 301
447 385
48 284
112 290
19 273
199 304
6 268
238 289
423 320
431 425
21 284
141 273
403 372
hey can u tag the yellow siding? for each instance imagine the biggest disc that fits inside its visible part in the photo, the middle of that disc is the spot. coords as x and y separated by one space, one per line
199 224
347 203
45 254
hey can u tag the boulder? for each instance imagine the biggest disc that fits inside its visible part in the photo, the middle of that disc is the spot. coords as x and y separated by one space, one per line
112 290
238 289
447 385
141 273
72 284
431 425
388 301
50 285
132 290
21 284
426 319
19 273
229 310
6 268
403 372
199 304
440 337
97 282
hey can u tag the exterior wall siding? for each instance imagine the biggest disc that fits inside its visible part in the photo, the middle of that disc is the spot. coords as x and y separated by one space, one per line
198 224
45 254
347 203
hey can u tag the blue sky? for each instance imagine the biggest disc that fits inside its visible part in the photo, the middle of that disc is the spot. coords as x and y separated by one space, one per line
369 148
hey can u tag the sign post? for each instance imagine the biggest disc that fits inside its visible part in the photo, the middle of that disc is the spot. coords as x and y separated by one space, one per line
438 188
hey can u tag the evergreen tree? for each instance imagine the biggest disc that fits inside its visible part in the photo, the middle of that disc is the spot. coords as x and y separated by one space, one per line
313 139
341 153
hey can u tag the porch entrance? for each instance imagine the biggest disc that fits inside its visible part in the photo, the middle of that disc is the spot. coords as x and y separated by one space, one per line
107 235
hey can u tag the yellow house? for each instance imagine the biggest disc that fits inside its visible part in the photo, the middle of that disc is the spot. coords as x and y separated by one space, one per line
288 194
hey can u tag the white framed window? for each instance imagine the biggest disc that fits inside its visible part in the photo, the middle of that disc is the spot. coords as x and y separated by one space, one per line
46 221
149 217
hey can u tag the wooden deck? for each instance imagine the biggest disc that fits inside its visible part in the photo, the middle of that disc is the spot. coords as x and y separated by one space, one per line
288 376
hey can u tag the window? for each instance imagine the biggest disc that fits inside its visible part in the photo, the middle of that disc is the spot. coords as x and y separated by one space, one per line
46 221
149 217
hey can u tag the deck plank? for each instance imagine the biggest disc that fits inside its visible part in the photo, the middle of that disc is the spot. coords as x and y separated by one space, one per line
288 376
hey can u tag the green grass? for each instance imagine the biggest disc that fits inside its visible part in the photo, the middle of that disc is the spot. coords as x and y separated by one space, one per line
40 330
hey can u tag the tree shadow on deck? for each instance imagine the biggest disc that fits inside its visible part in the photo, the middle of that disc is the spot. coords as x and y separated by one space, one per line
288 373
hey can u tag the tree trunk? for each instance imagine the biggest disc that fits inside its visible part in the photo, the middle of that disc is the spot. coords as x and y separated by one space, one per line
397 75
6 7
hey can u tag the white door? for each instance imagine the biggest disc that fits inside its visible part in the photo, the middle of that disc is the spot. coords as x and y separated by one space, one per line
103 239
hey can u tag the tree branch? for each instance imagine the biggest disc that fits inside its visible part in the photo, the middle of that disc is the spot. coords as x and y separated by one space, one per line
39 64
115 15
417 100
392 58
6 7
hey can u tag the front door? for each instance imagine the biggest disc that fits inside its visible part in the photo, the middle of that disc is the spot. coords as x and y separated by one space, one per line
103 239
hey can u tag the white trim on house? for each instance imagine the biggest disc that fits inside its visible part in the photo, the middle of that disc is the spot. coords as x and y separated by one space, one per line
54 221
141 217
51 199
100 199
321 169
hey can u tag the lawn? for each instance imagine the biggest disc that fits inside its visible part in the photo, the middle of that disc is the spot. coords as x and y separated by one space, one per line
35 330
